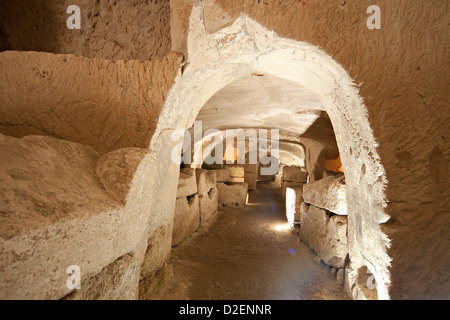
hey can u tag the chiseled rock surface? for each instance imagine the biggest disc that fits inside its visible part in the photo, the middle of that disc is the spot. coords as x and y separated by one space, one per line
304 207
325 234
158 249
206 180
208 204
117 281
187 183
129 30
232 193
208 193
54 214
116 170
295 173
106 104
187 218
328 193
223 175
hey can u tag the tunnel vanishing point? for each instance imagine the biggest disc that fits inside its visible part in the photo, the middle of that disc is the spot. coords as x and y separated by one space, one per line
356 119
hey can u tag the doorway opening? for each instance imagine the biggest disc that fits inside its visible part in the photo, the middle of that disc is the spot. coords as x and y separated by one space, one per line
224 65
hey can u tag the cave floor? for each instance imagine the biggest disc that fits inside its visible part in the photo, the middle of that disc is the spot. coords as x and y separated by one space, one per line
239 255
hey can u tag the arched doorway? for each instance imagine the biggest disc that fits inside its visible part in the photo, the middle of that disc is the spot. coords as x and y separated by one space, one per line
247 48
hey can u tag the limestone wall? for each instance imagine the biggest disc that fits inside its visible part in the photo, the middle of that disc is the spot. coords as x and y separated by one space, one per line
401 73
128 30
324 228
106 104
196 203
59 210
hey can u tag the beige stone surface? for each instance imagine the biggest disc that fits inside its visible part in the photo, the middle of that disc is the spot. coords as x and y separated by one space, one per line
295 174
116 169
187 218
397 178
335 250
187 184
206 180
45 181
158 250
117 281
56 214
328 193
105 104
208 204
313 227
304 207
155 285
325 234
232 193
128 30
223 175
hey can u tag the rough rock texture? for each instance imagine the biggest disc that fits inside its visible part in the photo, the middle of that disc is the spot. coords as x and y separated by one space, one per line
304 207
223 175
108 105
328 193
118 281
132 29
187 218
326 234
158 250
208 204
251 168
45 181
116 170
206 180
55 214
294 173
154 286
187 184
231 194
208 193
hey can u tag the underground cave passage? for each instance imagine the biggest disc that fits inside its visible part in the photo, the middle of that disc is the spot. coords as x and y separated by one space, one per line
242 215
117 180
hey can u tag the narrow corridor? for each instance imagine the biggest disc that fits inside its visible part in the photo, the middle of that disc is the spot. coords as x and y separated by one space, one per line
248 254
